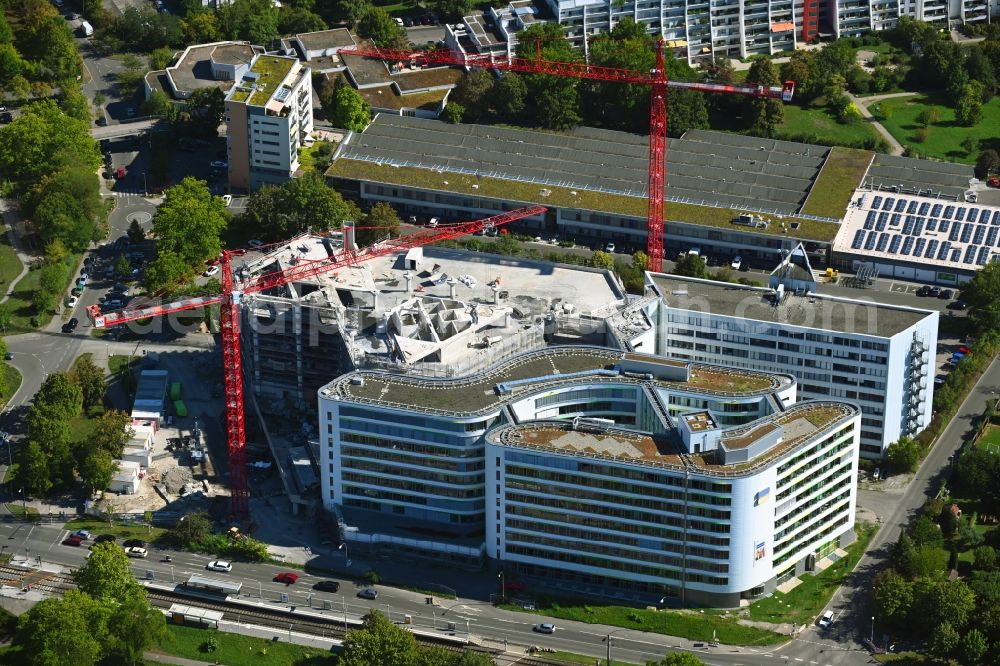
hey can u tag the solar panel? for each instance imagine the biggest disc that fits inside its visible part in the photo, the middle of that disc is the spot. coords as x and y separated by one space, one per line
970 254
966 232
919 227
973 214
870 220
870 242
948 212
943 253
895 219
918 249
944 226
876 203
936 210
960 214
984 255
956 229
908 225
996 219
980 234
894 245
924 207
882 219
900 205
883 241
907 245
932 247
991 237
931 225
888 203
956 255
912 208
859 239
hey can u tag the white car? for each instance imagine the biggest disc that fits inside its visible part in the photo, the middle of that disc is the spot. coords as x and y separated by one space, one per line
212 270
219 565
434 222
227 199
136 551
737 263
826 620
219 164
545 628
610 247
71 303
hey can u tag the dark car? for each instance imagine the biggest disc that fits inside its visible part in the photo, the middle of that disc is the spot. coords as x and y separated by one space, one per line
924 291
946 294
71 325
368 593
6 117
102 121
327 586
105 537
407 21
134 543
935 292
957 305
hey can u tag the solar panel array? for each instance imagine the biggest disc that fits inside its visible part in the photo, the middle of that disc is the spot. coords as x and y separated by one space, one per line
917 229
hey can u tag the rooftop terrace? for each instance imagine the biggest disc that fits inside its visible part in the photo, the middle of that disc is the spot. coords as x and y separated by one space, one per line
270 71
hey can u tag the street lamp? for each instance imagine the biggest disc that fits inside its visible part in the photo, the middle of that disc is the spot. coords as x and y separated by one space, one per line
503 589
872 638
343 547
607 639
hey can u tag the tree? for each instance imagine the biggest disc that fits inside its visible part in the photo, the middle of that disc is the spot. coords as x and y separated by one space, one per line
801 68
276 213
63 632
135 626
168 270
74 104
552 100
123 267
204 111
201 27
351 11
601 259
107 574
904 455
969 107
160 58
453 113
691 265
378 643
916 561
378 26
973 647
160 106
255 21
677 659
768 113
473 92
41 140
640 261
688 111
509 94
61 393
112 432
938 602
982 294
452 10
5 317
191 529
96 468
893 596
987 162
384 216
136 234
190 222
296 21
90 379
944 639
984 558
345 107
33 469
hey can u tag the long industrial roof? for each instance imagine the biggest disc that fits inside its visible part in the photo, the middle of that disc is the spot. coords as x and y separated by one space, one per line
724 170
924 176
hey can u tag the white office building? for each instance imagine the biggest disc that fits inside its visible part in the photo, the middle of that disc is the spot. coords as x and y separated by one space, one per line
582 464
879 356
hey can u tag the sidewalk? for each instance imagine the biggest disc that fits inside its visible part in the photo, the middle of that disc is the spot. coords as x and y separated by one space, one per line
895 147
10 218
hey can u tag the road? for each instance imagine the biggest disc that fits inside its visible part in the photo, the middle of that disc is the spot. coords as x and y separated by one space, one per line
124 129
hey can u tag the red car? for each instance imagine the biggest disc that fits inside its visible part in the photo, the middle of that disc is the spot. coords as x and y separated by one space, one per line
286 577
120 173
73 541
964 350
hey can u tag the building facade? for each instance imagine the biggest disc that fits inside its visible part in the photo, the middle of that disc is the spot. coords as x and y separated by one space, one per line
879 356
582 464
268 118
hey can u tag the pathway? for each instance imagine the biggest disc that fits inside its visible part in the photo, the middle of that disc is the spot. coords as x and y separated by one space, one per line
895 147
9 212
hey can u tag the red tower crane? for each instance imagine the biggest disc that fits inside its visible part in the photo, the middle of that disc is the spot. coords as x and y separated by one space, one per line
229 300
656 79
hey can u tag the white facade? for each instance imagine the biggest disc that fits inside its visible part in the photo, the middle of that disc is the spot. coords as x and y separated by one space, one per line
874 354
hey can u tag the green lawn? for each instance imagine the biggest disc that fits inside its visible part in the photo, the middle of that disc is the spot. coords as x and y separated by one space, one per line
573 658
843 170
990 439
817 122
695 626
21 309
944 139
803 604
121 530
10 265
117 365
238 650
11 384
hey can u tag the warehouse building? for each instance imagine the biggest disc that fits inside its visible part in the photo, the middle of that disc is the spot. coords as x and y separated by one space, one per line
714 483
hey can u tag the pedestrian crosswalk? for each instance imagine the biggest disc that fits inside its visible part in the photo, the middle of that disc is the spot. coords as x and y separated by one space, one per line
125 194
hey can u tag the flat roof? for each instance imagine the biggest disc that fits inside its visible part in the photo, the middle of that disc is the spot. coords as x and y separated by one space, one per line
478 393
928 231
325 39
801 422
193 70
814 311
931 177
711 176
271 71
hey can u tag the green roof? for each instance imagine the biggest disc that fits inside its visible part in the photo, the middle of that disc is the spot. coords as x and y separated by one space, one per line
580 199
841 174
271 71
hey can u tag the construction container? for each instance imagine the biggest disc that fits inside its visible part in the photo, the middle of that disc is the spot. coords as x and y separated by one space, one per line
175 391
180 408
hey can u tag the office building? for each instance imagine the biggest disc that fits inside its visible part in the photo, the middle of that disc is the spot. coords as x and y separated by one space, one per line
268 118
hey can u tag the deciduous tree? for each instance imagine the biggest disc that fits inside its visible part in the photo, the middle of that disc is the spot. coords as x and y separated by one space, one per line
61 394
893 596
601 259
379 642
107 575
691 265
768 113
276 213
190 222
90 379
63 632
474 92
135 626
253 20
943 641
344 106
377 25
509 95
969 106
552 100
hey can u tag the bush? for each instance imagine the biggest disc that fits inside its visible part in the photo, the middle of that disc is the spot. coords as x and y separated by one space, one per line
921 134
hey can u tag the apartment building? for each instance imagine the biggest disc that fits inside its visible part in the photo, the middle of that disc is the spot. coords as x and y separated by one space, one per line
268 116
877 355
681 459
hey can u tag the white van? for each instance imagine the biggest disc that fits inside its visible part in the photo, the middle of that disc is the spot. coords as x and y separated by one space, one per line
86 29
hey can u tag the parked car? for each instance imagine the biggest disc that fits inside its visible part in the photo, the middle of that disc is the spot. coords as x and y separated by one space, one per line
136 551
134 543
105 537
935 292
255 243
212 270
219 164
327 586
72 541
946 294
286 577
939 380
924 291
610 247
826 619
545 628
227 199
219 565
964 350
119 173
737 263
83 534
368 593
957 305
71 325
9 356
434 221
877 474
